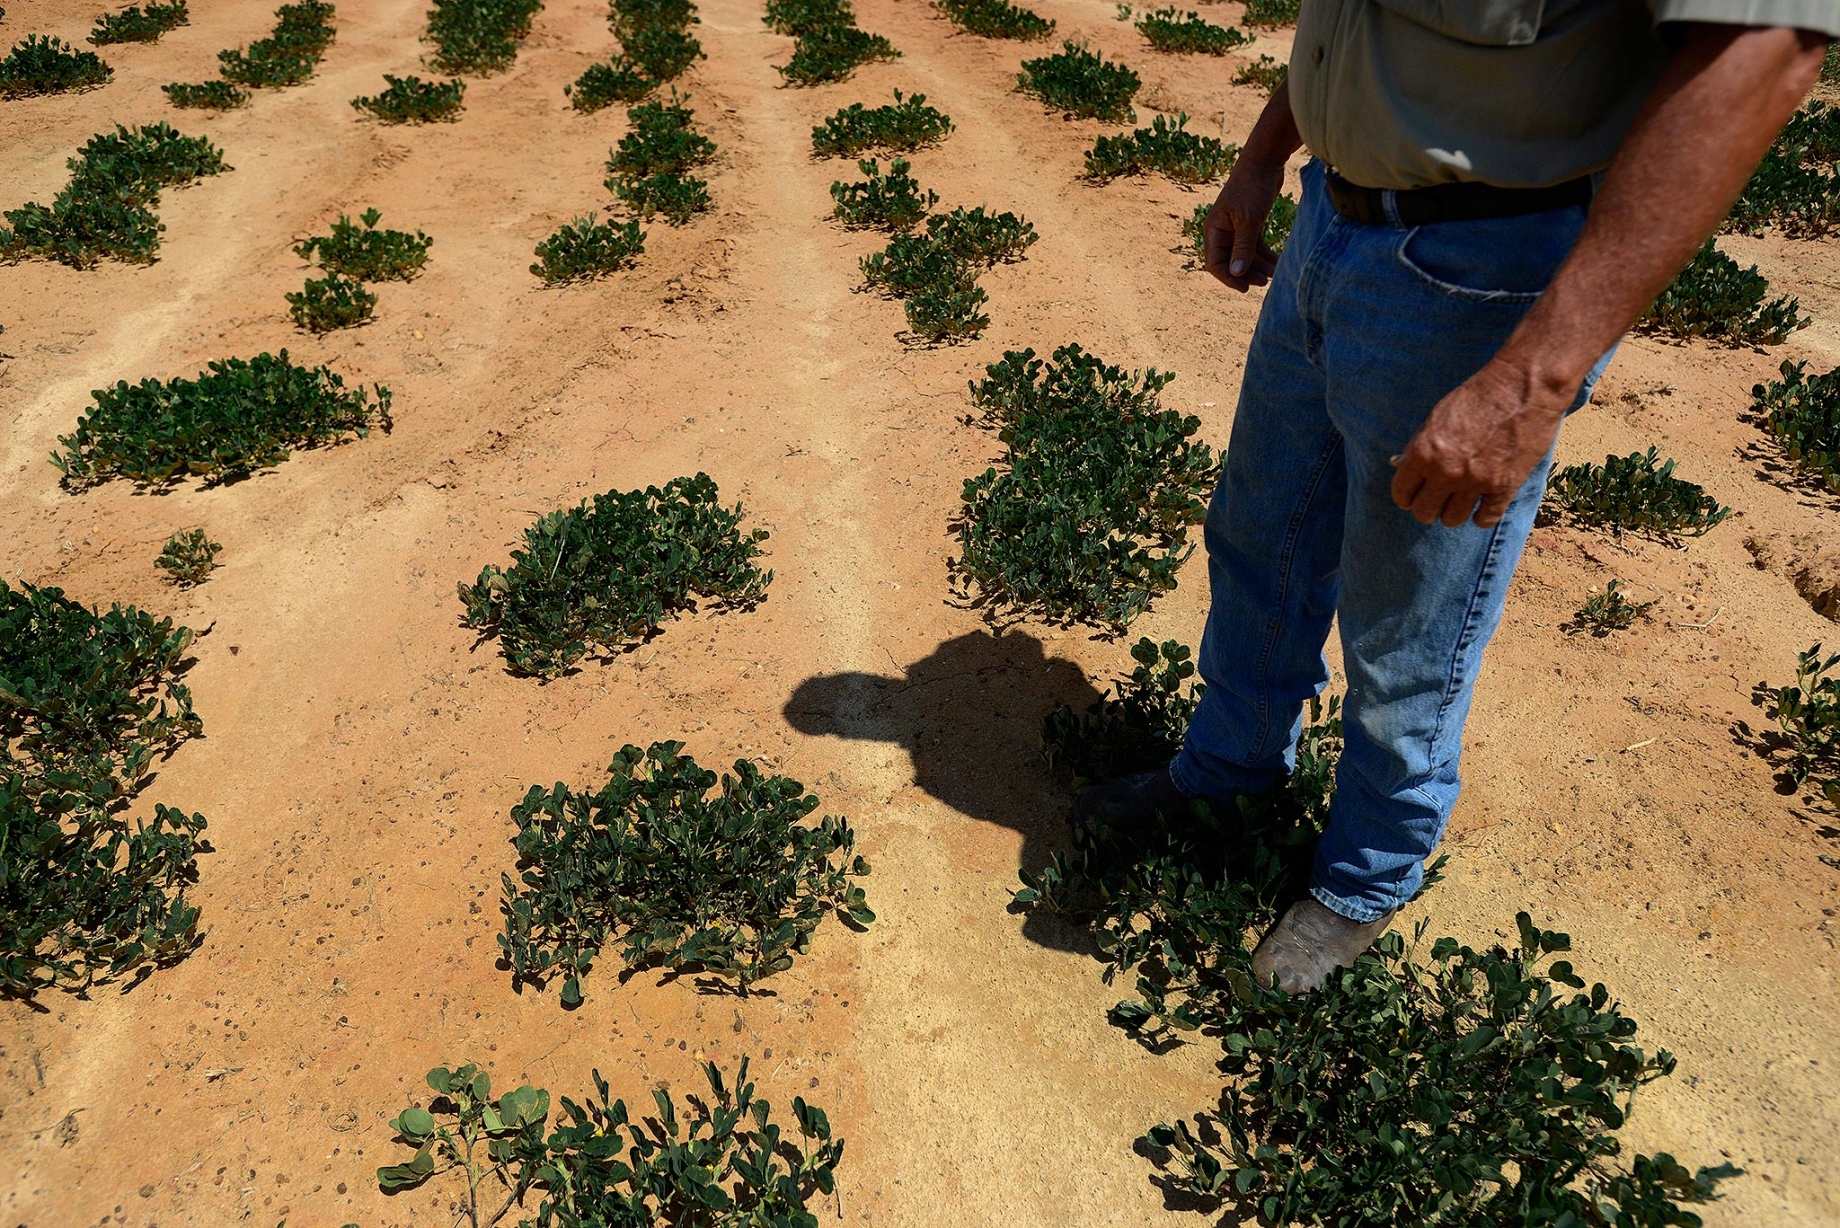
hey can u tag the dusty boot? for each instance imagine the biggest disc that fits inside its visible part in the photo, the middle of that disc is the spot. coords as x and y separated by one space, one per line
1128 802
1308 943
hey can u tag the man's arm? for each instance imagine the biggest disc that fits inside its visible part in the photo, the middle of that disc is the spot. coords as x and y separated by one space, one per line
1703 130
1234 248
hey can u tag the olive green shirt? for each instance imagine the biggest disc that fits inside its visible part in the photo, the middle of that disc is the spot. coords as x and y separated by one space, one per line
1517 93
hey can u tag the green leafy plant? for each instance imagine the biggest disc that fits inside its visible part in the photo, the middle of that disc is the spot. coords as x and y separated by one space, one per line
796 17
1802 413
891 201
1809 714
1138 725
602 85
611 571
359 250
1086 517
1796 187
996 19
331 302
1170 29
1168 149
626 16
1271 14
1635 493
289 55
831 53
936 272
42 65
906 125
1080 82
1714 298
1266 73
723 1163
1610 610
240 416
661 141
1278 225
411 100
660 52
477 37
206 95
677 198
189 558
732 884
135 24
947 311
585 249
106 209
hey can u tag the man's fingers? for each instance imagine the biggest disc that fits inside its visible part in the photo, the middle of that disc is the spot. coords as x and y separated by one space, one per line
1245 249
1493 508
1407 481
1428 503
1457 508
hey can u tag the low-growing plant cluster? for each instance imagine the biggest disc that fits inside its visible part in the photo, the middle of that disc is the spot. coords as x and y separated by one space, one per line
731 883
240 416
105 211
649 168
478 37
1265 73
723 1163
331 302
136 24
1637 493
1165 148
39 64
935 273
1610 610
354 253
995 19
901 127
1079 81
1716 299
1796 187
827 45
611 570
88 700
189 557
1809 715
288 56
890 200
411 100
1802 413
1086 517
655 36
216 95
1278 225
1170 29
1271 14
585 249
602 85
1341 1107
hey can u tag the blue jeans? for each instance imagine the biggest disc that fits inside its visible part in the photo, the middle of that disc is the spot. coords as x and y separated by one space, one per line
1364 329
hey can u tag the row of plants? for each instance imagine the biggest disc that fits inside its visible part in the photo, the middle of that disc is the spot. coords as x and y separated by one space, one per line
656 47
1173 31
411 100
105 210
1079 81
1796 188
288 56
1452 1085
828 45
649 169
1715 299
40 64
352 254
138 24
995 19
477 37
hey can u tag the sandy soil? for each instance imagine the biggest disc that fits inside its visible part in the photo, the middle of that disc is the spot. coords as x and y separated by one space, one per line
362 755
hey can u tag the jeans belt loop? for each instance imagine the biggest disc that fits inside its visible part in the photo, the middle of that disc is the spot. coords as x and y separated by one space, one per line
1389 204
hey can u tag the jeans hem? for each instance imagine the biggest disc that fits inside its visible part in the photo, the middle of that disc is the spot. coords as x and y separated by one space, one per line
1352 910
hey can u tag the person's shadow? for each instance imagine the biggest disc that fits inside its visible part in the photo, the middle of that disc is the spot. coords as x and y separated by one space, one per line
969 715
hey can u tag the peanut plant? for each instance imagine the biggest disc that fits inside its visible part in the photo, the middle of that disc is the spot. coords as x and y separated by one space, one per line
1165 148
1809 715
906 125
240 416
359 250
585 249
411 100
648 168
39 64
189 557
1277 226
732 883
1802 413
135 24
1635 494
106 209
1608 611
289 55
1080 82
723 1162
611 570
1715 299
935 274
1265 73
1171 30
1796 187
661 53
478 37
1086 517
995 19
1271 14
206 95
832 53
331 302
891 201
796 17
602 85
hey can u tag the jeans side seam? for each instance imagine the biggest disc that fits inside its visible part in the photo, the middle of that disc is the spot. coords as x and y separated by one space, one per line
1453 683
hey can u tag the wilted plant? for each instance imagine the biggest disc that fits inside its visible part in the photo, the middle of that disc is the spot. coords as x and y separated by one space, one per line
585 249
190 556
1270 14
411 100
1802 413
1266 73
1610 610
1086 519
796 17
360 250
732 884
475 37
135 24
331 302
240 416
995 19
1080 82
106 208
611 571
217 95
831 53
1809 714
1714 298
1170 29
723 1164
602 85
891 201
1168 149
1637 494
903 127
289 55
41 65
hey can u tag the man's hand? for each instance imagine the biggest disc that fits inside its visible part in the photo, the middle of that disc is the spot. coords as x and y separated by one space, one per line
1233 237
1480 443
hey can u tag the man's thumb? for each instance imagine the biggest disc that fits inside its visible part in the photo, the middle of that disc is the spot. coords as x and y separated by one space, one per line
1245 246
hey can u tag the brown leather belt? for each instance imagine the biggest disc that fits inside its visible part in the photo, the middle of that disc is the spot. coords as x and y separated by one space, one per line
1450 202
